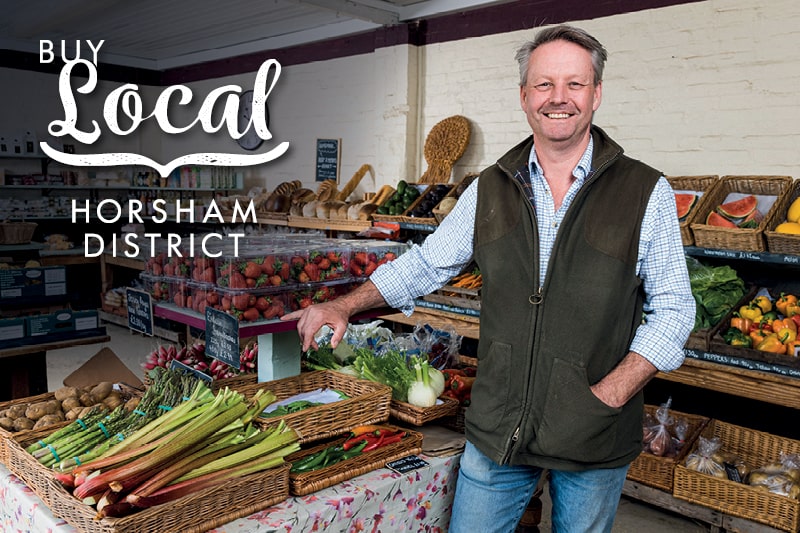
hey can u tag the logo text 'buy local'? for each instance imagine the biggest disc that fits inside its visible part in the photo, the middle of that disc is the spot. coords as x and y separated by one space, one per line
127 100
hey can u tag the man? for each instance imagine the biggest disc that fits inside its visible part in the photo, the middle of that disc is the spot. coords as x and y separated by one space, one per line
585 297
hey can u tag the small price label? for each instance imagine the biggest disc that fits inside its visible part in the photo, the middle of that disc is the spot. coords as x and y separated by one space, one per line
406 464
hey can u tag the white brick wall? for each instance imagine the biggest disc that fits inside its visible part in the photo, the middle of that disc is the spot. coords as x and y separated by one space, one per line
703 88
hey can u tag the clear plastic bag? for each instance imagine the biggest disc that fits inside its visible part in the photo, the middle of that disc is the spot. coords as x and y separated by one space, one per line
703 460
661 443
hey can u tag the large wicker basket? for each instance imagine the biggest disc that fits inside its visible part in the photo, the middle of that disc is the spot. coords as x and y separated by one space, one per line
16 232
699 185
195 513
6 435
746 240
756 449
783 243
304 483
658 472
368 403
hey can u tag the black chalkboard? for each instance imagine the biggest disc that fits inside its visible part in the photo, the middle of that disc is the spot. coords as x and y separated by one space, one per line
406 464
140 311
222 337
186 369
328 159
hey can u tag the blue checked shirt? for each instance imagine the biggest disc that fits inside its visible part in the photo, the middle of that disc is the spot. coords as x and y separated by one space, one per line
669 305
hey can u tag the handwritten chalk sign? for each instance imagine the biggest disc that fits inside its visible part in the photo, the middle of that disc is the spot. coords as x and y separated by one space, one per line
222 337
140 311
186 369
328 158
409 463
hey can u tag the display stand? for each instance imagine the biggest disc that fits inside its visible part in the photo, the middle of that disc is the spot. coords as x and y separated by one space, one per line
278 341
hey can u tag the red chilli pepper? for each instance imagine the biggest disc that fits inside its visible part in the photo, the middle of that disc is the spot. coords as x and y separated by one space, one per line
390 439
374 444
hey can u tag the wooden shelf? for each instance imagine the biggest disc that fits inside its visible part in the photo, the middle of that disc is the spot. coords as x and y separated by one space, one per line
464 325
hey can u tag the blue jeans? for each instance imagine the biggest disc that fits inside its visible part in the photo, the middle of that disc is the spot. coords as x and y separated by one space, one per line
492 498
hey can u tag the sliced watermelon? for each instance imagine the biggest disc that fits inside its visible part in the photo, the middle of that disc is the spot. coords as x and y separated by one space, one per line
685 202
752 220
738 208
715 219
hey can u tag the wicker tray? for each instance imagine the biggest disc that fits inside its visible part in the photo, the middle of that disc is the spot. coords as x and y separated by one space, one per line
756 449
783 243
746 240
699 184
16 232
195 513
304 483
656 471
419 416
368 403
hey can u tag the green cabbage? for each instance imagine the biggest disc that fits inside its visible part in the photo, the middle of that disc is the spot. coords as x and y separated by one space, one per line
716 291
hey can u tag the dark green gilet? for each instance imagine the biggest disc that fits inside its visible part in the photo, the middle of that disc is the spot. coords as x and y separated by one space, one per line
539 352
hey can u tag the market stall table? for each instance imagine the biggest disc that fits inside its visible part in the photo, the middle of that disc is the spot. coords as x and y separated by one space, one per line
420 500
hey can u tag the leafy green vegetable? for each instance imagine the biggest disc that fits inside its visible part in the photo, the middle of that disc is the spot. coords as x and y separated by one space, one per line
715 289
390 368
322 359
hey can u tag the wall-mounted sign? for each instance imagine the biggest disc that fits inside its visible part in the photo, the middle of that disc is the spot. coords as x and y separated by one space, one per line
328 157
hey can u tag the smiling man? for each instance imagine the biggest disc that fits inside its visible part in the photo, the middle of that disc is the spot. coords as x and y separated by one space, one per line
563 220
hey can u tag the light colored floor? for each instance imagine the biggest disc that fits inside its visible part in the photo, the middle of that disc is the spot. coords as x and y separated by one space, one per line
131 348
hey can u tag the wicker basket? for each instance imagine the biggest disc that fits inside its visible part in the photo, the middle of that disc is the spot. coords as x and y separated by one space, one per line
419 416
746 240
304 483
16 232
658 472
444 145
756 449
6 435
699 184
195 513
368 403
783 243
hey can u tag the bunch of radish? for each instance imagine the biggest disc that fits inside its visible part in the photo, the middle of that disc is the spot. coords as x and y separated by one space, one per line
193 356
249 358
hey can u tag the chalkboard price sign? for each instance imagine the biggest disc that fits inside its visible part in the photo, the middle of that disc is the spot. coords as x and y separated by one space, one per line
140 311
328 158
222 337
405 464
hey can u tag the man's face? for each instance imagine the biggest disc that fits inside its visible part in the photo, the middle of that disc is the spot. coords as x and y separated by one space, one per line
560 97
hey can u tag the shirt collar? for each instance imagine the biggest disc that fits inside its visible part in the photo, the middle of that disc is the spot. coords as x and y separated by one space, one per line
581 170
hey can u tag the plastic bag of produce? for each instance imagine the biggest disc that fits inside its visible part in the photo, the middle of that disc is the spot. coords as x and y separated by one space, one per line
703 458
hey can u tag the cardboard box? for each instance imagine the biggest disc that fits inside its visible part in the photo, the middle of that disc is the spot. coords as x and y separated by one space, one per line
86 320
12 328
103 366
59 322
33 282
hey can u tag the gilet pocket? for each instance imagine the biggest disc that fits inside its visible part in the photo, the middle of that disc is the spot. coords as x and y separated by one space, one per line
490 390
575 424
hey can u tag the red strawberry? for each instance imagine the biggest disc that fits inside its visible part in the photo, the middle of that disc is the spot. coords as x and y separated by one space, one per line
333 257
305 302
360 258
389 256
370 268
312 270
251 270
275 280
241 301
297 261
273 311
251 314
285 268
268 266
262 303
237 281
324 263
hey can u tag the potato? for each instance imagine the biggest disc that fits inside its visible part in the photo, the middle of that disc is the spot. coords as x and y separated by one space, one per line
74 413
87 400
70 403
53 406
133 403
7 423
47 420
22 423
17 411
113 400
101 390
35 411
66 392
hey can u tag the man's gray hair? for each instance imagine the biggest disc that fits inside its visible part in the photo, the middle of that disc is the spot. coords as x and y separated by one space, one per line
568 33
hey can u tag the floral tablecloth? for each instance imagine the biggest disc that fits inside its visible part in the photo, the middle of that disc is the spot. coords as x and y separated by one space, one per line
379 501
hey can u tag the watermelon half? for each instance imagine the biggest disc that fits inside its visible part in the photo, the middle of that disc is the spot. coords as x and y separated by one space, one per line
685 202
715 219
738 208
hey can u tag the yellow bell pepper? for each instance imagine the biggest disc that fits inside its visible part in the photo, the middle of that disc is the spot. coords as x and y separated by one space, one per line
751 311
764 303
783 301
785 329
792 309
772 344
